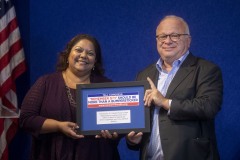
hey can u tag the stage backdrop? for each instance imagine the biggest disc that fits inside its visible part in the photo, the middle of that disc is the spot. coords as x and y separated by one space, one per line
126 32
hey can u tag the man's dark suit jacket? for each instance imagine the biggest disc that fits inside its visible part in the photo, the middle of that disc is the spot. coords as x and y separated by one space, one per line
188 132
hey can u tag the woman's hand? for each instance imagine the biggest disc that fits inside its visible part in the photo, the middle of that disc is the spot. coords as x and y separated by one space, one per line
107 134
69 129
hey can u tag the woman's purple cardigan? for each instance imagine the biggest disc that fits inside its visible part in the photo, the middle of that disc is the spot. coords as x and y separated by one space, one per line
47 98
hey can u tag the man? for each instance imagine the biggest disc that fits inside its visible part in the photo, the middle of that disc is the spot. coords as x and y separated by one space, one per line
184 97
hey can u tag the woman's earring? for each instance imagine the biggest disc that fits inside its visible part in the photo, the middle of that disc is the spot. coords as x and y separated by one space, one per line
67 62
93 68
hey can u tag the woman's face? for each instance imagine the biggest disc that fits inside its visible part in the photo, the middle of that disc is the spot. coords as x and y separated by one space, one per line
82 57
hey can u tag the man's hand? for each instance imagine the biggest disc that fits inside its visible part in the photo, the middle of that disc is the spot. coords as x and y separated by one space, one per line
154 96
134 138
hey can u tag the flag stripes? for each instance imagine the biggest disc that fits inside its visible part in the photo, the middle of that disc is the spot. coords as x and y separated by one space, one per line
12 64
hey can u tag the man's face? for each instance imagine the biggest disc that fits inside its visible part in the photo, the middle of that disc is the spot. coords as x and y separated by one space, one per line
172 48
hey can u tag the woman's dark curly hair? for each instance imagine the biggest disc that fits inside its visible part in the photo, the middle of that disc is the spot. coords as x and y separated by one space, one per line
62 63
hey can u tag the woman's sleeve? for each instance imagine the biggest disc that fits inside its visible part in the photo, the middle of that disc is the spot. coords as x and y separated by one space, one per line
30 118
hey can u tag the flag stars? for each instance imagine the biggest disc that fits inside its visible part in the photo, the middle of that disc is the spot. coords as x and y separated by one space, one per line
6 1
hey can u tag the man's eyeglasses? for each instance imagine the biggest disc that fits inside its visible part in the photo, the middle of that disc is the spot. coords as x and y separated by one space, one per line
174 37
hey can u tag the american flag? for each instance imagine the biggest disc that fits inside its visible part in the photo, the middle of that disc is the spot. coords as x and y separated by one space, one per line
12 65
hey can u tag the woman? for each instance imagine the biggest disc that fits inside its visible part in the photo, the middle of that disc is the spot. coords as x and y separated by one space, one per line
48 111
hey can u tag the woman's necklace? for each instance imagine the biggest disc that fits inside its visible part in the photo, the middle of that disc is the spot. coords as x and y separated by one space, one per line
69 95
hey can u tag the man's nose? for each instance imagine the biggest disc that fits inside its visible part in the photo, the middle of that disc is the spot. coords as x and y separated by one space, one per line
168 39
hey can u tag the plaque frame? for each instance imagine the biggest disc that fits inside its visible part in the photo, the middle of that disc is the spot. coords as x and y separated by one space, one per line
113 106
